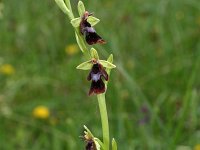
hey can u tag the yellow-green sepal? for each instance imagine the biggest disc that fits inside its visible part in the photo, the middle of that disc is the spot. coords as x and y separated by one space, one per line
107 64
94 54
93 20
76 22
110 58
85 65
81 8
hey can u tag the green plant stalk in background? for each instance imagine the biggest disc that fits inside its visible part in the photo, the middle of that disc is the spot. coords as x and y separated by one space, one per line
66 8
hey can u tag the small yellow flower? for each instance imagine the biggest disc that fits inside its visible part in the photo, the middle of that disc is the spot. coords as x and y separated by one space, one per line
7 69
71 49
41 112
197 147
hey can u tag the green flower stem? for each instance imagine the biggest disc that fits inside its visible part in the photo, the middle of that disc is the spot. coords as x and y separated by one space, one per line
100 97
104 120
66 8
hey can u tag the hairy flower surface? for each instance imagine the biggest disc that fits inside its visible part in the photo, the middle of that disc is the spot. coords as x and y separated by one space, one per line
89 32
96 74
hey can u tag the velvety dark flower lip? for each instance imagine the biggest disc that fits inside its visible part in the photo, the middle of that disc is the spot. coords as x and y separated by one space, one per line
88 31
96 74
90 145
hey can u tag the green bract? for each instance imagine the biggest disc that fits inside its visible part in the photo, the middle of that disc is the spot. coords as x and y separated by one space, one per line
80 42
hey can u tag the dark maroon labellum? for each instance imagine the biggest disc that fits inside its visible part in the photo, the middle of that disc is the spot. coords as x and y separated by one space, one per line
90 145
96 74
89 32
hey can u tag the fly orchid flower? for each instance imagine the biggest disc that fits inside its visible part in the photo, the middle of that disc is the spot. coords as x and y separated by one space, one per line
88 31
92 143
97 72
85 24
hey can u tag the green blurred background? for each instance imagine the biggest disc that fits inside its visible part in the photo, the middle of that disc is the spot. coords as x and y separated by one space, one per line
153 96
